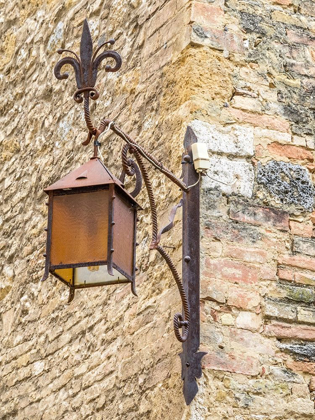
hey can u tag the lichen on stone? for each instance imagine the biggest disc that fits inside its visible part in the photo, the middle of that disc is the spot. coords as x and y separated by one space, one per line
288 183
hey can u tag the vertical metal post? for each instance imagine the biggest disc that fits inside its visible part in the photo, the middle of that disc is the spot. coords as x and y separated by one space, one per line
190 357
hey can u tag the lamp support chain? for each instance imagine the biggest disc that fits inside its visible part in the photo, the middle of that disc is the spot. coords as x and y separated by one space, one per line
85 69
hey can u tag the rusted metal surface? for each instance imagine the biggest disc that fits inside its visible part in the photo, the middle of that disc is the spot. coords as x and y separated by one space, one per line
190 357
85 68
188 322
130 168
73 211
110 249
149 157
48 240
180 320
92 173
170 225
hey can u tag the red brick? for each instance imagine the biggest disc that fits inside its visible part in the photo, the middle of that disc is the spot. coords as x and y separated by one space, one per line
222 40
283 2
312 384
212 289
301 366
304 278
268 272
246 365
243 340
232 231
255 215
242 298
249 321
260 151
251 255
290 152
206 14
298 261
160 18
302 38
232 271
282 330
285 274
301 229
265 121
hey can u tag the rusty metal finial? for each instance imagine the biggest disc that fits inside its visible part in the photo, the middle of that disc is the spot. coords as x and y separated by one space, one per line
85 69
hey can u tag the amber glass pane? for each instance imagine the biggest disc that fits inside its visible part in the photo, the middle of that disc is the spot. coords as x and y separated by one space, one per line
66 274
79 228
96 275
123 242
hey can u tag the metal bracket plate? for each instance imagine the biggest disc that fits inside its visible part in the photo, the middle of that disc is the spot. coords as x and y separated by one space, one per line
190 357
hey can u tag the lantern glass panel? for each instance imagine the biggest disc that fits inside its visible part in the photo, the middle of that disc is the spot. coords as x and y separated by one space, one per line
124 232
79 227
95 275
66 274
91 275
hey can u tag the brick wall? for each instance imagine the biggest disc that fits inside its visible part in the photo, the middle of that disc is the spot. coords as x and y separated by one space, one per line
107 355
258 312
241 74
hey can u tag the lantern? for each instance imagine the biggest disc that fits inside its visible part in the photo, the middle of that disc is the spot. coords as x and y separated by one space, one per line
91 234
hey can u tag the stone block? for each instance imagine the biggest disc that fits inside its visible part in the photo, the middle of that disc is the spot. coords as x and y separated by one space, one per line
233 271
287 183
304 246
304 278
232 231
232 140
218 39
297 294
207 15
242 298
274 309
245 364
298 261
285 274
291 331
212 289
301 229
227 319
290 152
300 351
249 321
231 176
261 216
251 255
260 120
306 315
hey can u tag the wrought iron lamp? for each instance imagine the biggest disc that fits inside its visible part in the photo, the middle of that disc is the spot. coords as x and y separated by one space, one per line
91 233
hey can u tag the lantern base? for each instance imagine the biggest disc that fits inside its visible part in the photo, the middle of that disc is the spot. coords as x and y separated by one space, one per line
91 276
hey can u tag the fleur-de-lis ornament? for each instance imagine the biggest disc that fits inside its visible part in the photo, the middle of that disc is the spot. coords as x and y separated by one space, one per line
85 69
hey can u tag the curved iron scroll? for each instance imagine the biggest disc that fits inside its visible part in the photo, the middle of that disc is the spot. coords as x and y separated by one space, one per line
130 168
85 69
180 320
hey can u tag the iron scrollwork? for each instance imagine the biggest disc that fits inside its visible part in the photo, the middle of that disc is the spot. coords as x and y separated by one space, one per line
85 69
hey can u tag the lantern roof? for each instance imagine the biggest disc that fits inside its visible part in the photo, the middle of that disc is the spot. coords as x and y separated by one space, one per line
92 173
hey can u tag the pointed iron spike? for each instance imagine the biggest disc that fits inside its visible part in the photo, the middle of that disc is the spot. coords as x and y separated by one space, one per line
86 48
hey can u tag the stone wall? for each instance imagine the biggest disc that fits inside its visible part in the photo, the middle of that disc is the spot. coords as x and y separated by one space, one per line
107 355
258 242
241 74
